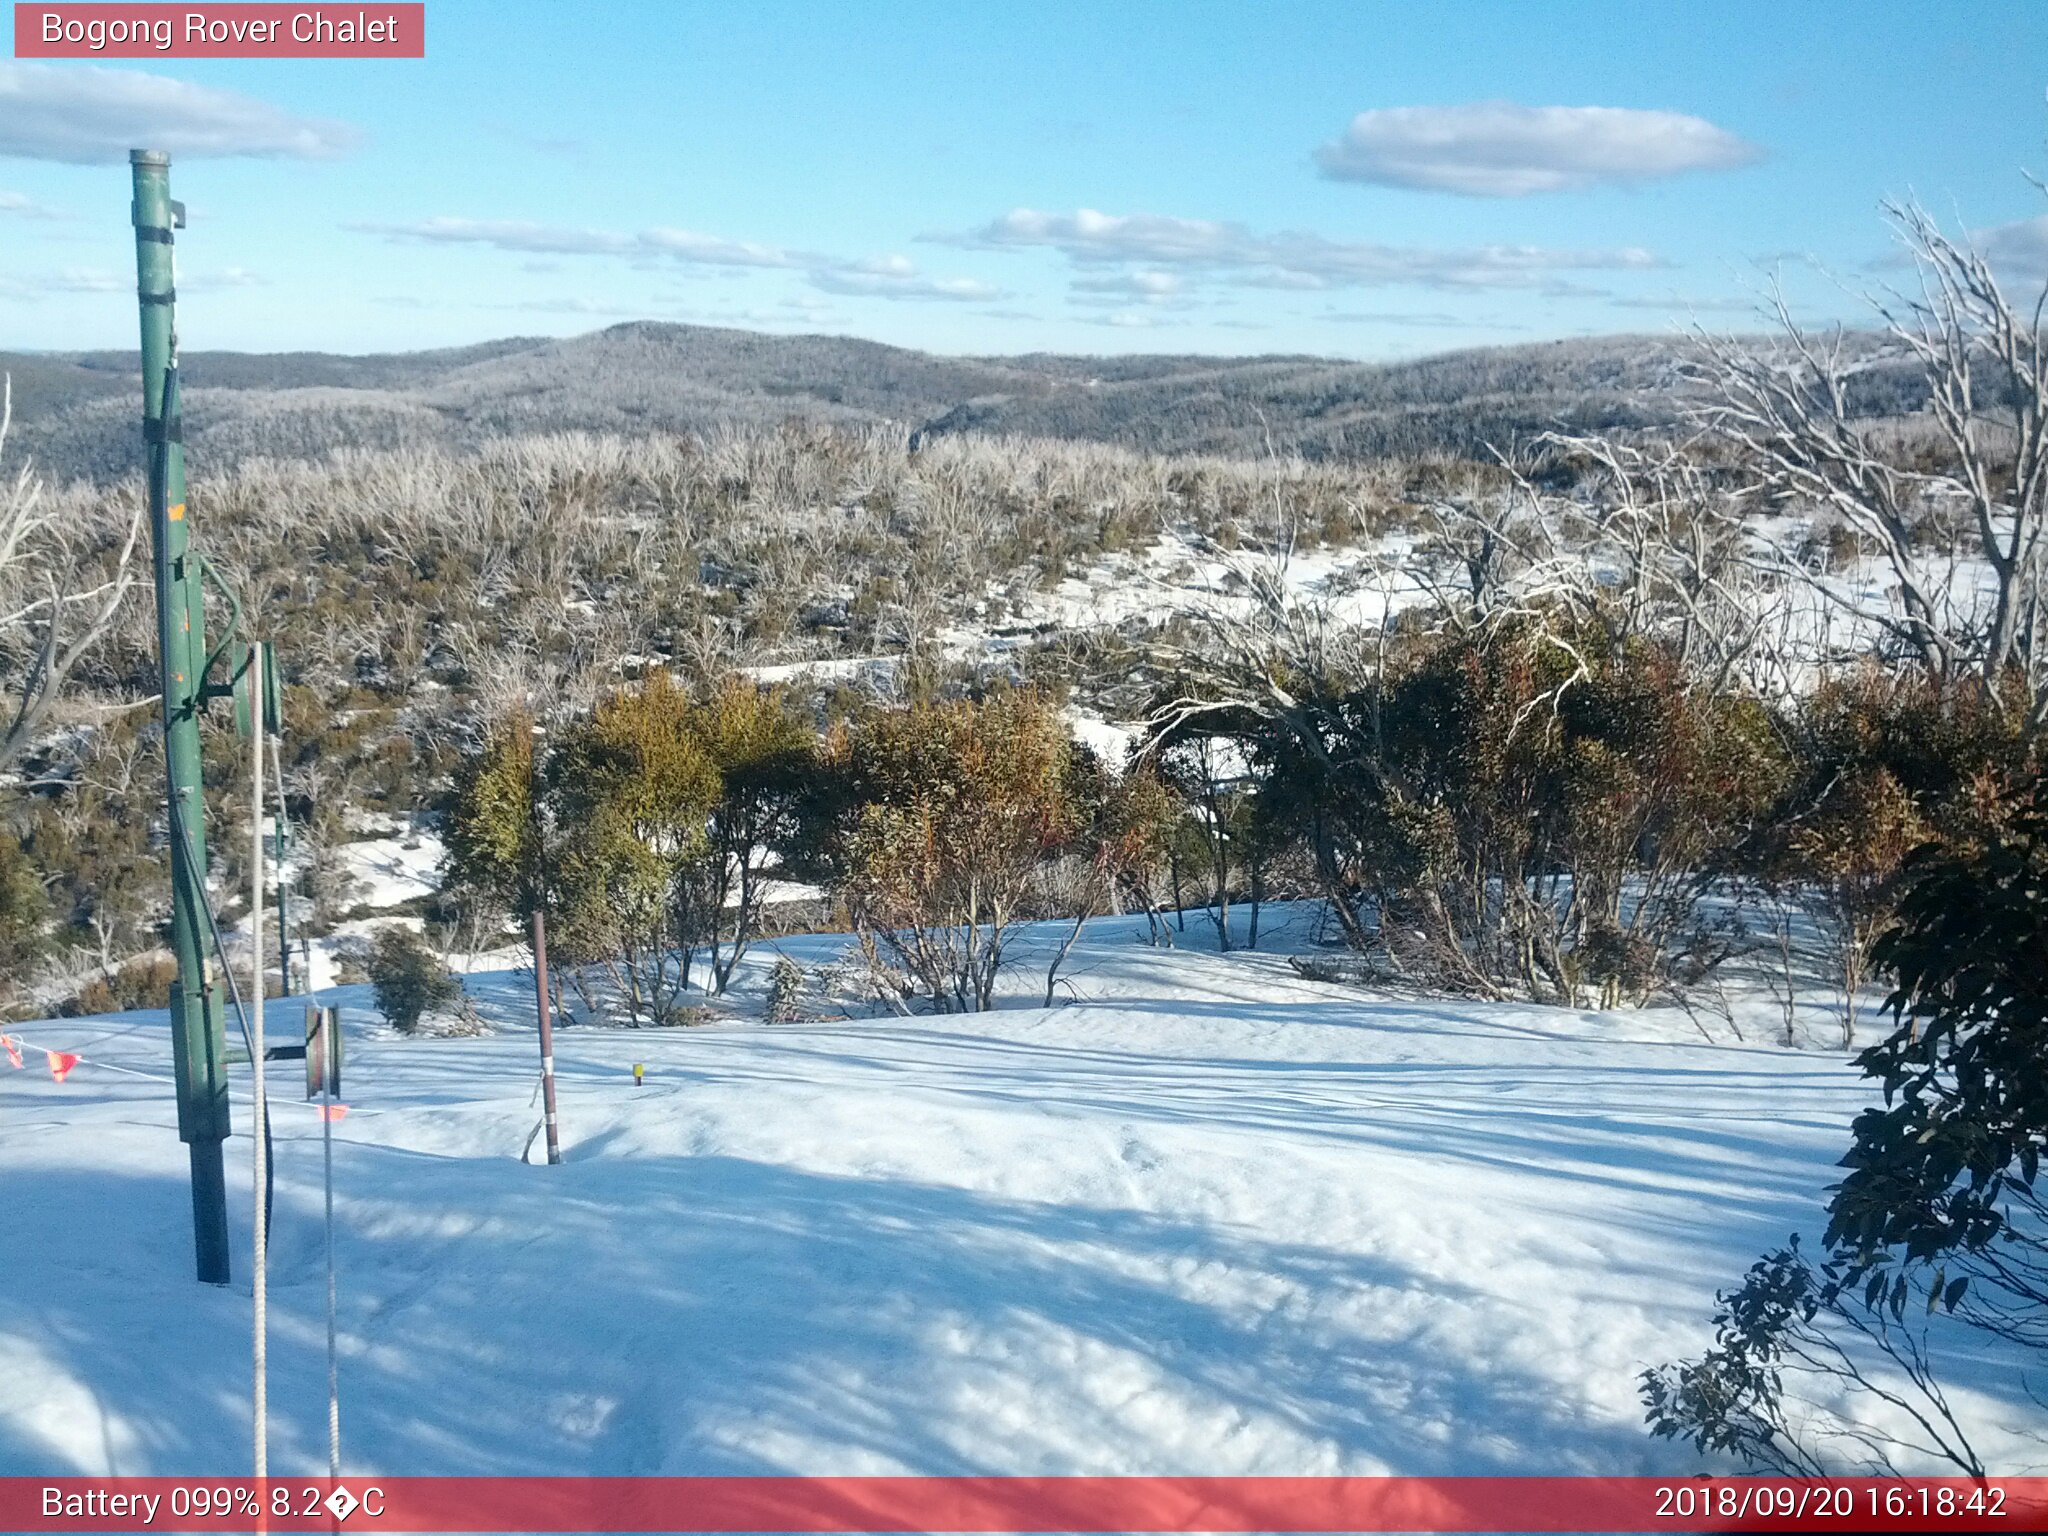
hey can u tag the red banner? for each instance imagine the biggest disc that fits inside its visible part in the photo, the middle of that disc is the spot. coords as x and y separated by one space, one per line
98 31
1019 1504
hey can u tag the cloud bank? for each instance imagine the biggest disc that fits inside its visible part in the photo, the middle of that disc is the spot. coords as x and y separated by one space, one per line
2018 254
1288 260
91 116
1502 149
877 277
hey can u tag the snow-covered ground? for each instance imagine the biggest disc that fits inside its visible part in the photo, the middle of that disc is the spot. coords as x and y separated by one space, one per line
389 871
1207 1218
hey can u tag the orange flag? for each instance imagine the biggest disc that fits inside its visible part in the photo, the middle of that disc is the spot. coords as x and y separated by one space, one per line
61 1063
13 1048
333 1111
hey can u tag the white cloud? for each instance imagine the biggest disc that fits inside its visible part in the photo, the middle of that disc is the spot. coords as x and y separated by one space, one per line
226 277
855 282
2018 254
82 115
70 280
1503 149
507 235
1680 305
683 245
884 277
23 206
1087 235
1288 259
1436 320
595 308
1124 319
711 251
1145 286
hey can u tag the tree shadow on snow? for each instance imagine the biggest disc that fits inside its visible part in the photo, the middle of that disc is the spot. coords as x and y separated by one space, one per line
720 1316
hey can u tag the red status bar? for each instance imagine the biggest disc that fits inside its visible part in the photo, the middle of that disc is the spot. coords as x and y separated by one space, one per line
99 31
1018 1504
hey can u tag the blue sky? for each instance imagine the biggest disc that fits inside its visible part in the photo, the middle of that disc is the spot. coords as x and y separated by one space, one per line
1363 180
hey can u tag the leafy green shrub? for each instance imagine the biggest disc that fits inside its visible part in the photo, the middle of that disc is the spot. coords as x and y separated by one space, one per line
24 910
785 991
1883 765
143 982
626 797
1527 810
410 980
956 806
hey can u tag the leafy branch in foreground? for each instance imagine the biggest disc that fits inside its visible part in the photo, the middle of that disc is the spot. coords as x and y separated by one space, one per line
1940 1218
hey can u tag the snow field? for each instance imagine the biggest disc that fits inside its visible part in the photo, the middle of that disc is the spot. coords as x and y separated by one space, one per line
1211 1218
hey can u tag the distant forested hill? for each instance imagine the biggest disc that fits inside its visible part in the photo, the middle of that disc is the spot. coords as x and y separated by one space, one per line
76 412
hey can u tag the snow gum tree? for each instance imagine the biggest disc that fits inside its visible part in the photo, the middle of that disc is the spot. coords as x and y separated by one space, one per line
629 792
956 807
1121 825
1790 413
53 612
764 752
492 830
1529 807
645 830
1219 789
1884 763
1546 812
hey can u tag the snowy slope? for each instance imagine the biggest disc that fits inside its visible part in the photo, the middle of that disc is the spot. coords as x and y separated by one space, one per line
1210 1218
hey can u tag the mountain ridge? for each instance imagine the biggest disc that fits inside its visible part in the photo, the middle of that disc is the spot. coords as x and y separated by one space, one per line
76 412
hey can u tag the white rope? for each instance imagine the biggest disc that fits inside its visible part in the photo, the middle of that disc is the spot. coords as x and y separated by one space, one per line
284 938
89 1061
152 1077
333 1367
259 1323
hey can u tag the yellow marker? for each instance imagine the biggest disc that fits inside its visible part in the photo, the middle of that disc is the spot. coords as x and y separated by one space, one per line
178 513
638 1069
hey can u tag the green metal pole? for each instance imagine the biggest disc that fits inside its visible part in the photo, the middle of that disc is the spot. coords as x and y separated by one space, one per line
198 1040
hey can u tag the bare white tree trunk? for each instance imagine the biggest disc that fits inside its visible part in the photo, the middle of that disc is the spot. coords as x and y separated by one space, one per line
1790 413
47 619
